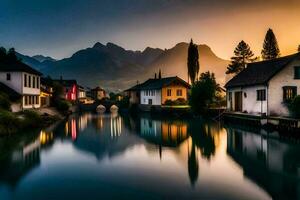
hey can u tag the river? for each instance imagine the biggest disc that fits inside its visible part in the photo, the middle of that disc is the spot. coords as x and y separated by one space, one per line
111 156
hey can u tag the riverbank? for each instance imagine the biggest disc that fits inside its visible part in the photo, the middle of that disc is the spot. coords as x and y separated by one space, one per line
11 123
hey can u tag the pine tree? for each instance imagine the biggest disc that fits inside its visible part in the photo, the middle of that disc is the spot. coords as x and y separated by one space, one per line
243 55
270 46
193 62
11 55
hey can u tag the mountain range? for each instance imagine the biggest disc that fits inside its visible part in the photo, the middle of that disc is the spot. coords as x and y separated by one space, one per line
115 68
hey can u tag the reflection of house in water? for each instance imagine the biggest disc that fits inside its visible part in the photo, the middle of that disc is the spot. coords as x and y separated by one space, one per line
270 163
22 160
165 133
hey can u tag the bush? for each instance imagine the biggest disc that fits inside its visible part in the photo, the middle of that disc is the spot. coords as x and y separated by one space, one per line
181 101
169 102
63 106
9 123
294 107
31 119
4 102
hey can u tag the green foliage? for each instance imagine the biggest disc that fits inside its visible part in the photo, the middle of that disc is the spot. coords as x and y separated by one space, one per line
270 46
124 103
203 92
243 55
177 102
31 119
9 122
63 106
193 62
4 102
294 107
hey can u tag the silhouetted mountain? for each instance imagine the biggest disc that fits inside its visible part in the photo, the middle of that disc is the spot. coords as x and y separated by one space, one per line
42 58
114 67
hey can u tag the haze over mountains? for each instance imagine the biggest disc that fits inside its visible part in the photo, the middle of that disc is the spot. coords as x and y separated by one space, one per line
115 68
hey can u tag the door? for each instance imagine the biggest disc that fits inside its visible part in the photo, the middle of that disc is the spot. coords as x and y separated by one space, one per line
238 101
150 101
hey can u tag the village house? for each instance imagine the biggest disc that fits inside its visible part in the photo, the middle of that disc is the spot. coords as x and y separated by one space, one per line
98 93
46 92
24 80
70 89
266 87
155 92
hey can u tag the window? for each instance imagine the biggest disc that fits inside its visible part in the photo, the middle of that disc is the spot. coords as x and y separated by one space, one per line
289 93
152 92
169 92
261 95
8 77
296 72
30 102
38 82
150 101
25 80
230 96
29 81
33 81
37 100
26 100
179 93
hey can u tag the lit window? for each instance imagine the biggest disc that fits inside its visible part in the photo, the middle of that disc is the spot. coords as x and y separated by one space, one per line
261 95
169 92
289 93
179 93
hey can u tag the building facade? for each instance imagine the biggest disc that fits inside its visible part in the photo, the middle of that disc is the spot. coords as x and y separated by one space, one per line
265 88
24 80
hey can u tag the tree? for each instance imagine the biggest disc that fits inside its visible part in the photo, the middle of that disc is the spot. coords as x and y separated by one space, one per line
193 62
298 48
270 47
243 55
159 74
11 55
203 92
2 53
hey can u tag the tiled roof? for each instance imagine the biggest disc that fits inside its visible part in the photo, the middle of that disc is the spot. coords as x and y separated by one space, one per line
152 84
17 66
260 72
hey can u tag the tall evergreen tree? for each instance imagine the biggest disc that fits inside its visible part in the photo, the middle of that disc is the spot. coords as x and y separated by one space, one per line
159 74
11 55
242 56
270 47
2 53
193 62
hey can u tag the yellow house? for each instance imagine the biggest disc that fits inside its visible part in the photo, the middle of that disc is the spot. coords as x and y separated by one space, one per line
158 91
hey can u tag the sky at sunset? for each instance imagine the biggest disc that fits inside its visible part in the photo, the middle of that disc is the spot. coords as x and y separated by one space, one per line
58 28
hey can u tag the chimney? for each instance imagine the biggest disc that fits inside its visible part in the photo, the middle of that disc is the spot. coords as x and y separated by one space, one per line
155 77
159 74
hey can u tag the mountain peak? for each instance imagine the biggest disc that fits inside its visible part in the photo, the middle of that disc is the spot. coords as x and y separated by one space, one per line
98 45
114 46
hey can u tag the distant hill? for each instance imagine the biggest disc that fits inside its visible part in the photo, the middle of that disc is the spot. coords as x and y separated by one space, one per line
116 68
42 58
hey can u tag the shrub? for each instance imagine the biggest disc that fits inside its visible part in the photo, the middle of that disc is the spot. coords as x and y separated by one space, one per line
8 122
181 101
31 119
4 102
294 107
63 106
169 102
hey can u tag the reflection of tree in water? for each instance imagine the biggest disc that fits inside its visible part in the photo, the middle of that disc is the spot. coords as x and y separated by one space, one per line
193 166
203 138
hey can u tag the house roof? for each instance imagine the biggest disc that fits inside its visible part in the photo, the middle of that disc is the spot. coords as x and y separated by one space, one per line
259 73
152 84
17 66
12 94
98 88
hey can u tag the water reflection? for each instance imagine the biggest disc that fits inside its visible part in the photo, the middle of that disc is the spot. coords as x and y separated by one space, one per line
270 163
195 158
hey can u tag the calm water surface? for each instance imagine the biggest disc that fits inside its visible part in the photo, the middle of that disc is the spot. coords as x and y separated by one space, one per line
111 157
